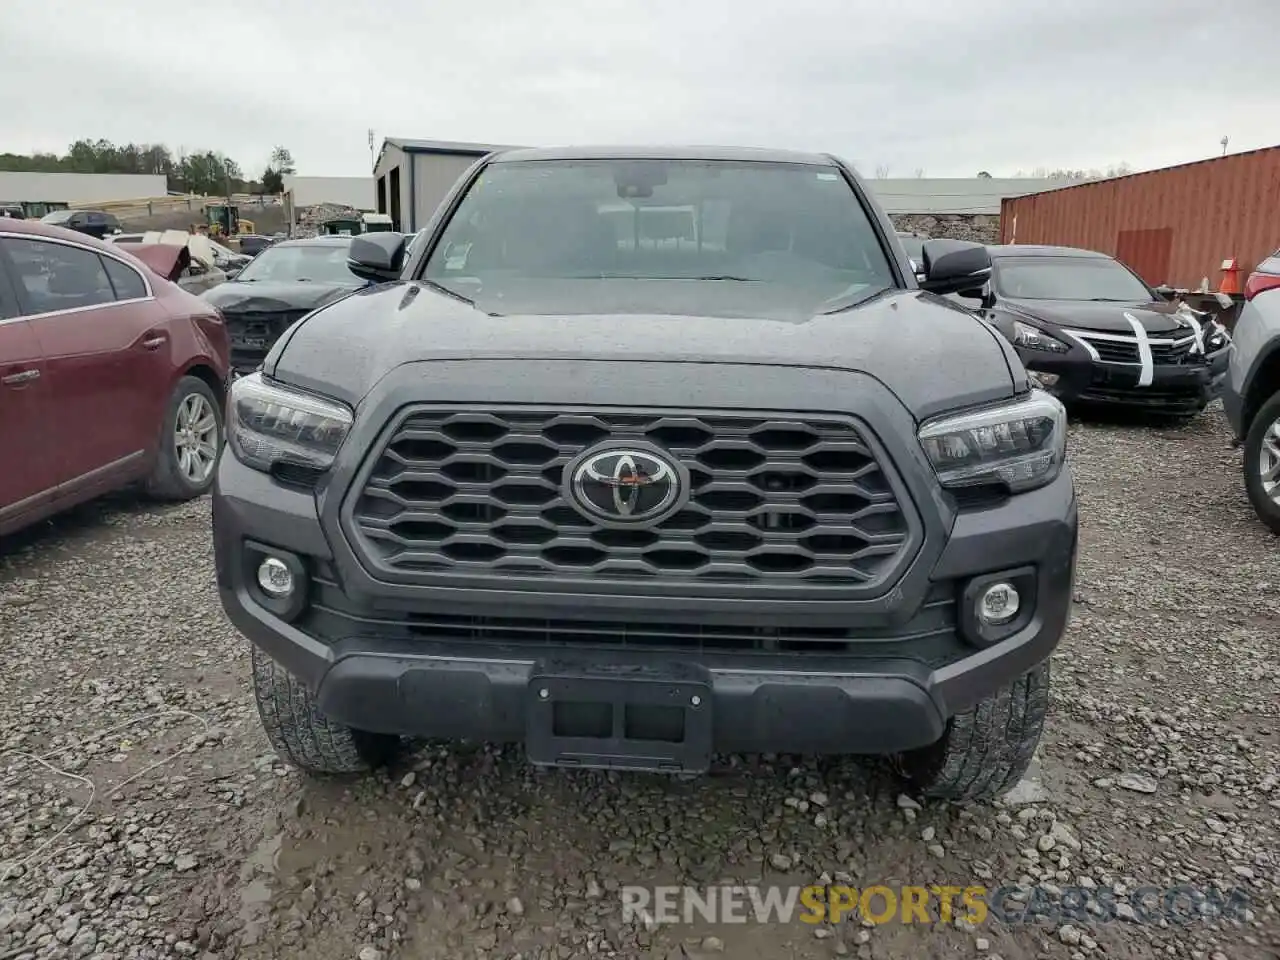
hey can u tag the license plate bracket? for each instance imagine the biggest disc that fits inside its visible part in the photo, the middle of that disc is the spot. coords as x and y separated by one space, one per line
605 717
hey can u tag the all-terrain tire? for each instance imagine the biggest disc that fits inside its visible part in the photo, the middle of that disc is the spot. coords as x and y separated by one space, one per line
986 750
167 480
304 737
1268 510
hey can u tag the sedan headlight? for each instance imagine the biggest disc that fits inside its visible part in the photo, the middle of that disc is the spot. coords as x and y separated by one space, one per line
1021 445
1215 336
269 425
1032 338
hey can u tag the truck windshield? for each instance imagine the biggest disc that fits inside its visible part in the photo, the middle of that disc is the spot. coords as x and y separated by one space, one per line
793 232
1067 278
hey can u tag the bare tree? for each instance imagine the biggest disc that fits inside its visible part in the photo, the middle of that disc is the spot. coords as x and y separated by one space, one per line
919 173
882 171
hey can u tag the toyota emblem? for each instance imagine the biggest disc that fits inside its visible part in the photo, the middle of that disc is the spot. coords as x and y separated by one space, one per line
626 485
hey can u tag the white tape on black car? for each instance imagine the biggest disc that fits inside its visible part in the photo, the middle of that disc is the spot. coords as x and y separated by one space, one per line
1197 329
1147 371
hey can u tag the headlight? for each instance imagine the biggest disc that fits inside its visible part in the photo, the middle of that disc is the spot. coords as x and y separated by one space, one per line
269 425
1021 444
1034 339
1215 336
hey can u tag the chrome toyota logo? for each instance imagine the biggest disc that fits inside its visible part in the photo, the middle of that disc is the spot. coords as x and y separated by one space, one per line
626 485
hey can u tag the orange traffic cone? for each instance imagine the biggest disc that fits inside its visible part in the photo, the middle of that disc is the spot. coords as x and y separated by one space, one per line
1230 277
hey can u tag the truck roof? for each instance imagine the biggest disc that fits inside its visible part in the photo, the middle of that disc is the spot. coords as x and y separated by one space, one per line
729 154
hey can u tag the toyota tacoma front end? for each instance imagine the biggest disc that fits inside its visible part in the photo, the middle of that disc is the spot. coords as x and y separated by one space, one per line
647 456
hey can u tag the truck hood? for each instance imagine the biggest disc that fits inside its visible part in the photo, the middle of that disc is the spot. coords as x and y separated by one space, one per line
271 296
1110 317
932 354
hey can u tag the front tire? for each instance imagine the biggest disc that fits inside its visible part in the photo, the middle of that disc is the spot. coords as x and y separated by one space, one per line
303 736
190 441
985 751
1262 463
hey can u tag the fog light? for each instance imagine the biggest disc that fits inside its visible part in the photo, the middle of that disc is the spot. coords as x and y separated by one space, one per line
276 579
998 604
1043 380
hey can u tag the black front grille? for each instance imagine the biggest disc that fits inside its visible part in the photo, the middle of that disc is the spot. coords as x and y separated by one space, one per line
253 332
1165 351
1115 351
776 498
930 634
1174 353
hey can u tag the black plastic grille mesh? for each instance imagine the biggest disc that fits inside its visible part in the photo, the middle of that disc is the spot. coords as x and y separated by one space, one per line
772 499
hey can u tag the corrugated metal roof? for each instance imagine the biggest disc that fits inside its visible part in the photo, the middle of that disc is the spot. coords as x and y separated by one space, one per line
956 195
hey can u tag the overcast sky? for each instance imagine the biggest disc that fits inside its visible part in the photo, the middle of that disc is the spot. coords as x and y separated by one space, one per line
948 86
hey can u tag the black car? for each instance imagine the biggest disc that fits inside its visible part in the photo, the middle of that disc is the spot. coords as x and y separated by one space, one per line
630 497
252 244
284 282
95 223
12 210
1090 331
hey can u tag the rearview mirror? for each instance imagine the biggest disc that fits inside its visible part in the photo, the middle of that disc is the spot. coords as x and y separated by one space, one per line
377 257
951 266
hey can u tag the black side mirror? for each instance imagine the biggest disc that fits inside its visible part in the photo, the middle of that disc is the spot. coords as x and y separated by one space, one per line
377 257
951 266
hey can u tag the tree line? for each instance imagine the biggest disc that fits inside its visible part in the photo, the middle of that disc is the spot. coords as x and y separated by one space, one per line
205 172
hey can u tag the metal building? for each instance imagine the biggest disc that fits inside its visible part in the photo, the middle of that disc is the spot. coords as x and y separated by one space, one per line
80 188
1172 226
411 177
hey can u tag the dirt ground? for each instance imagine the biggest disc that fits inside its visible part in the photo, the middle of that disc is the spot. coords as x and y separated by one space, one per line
143 815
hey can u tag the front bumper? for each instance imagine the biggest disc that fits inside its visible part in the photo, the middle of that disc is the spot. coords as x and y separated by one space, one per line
1174 388
399 659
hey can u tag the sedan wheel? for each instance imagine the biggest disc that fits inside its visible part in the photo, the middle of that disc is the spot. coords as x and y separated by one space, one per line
196 439
190 442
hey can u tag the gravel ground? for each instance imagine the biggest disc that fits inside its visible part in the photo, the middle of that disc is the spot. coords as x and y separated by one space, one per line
143 815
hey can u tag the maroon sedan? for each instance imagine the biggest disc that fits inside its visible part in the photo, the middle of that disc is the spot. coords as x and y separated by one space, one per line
110 375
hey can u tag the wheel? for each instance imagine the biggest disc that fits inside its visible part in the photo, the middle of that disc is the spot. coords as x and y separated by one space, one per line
986 750
305 738
1262 463
190 440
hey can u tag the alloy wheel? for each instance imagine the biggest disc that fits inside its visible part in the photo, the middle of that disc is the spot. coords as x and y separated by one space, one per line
195 438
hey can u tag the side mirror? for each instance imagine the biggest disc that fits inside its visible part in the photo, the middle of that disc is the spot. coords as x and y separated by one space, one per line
951 266
377 257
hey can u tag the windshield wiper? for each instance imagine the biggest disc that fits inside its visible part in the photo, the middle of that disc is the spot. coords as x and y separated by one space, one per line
441 288
845 301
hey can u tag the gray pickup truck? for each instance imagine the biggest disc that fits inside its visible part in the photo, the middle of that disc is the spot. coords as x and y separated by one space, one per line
633 489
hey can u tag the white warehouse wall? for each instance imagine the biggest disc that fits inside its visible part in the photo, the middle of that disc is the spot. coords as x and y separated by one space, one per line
355 192
80 187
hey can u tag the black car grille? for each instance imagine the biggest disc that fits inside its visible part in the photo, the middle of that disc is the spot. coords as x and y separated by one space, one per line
1165 351
931 633
1115 351
253 333
778 498
1174 353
